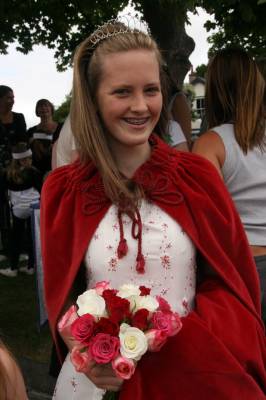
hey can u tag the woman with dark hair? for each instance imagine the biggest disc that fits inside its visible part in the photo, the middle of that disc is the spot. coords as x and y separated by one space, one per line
12 124
43 135
236 143
12 131
134 210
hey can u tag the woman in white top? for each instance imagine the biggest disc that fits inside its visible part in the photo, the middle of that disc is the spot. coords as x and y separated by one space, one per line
236 143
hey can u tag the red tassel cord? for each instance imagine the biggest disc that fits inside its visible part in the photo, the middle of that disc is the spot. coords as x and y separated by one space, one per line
140 261
122 248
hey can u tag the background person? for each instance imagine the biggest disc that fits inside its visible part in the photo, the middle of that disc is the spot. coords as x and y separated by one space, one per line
64 149
184 219
12 130
43 135
235 143
23 183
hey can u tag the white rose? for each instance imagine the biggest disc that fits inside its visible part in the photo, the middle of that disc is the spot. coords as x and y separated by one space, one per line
90 302
148 302
133 342
128 290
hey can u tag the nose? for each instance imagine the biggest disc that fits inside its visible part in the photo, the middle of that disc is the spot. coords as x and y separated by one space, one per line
139 103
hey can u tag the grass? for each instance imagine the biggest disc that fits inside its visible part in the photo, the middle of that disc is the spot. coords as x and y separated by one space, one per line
19 318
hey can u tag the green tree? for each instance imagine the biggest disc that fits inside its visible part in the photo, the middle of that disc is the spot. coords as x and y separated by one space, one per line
201 70
239 23
62 111
62 24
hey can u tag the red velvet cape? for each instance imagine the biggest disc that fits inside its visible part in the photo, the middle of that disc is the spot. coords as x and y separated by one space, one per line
220 352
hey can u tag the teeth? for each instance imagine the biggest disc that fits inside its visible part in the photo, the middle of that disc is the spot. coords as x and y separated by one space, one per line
136 121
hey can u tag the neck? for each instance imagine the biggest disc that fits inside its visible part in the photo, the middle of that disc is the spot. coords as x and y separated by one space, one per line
5 113
129 159
46 120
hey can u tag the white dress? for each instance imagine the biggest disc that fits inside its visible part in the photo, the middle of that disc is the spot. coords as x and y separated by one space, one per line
170 271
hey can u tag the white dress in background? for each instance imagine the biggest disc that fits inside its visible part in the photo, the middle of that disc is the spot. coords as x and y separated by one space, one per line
170 271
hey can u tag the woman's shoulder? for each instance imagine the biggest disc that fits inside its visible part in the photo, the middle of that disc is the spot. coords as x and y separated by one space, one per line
67 177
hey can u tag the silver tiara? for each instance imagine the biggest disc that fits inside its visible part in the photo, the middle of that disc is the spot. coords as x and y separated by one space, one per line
117 26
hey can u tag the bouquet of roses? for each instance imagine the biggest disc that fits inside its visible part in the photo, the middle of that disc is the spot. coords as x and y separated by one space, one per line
118 326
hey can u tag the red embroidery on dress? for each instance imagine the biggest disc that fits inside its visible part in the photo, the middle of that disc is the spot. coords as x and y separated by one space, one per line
112 264
74 383
165 261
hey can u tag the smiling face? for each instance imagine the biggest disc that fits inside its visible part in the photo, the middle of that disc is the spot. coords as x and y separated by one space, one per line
44 109
129 97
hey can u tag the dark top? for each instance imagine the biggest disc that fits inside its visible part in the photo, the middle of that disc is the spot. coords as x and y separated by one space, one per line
10 135
42 148
35 129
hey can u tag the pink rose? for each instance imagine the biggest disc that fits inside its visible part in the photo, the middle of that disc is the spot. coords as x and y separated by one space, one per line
176 323
64 325
156 339
104 348
167 322
81 359
82 328
163 304
101 286
123 367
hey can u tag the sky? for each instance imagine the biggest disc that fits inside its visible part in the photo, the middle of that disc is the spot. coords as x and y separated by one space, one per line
34 76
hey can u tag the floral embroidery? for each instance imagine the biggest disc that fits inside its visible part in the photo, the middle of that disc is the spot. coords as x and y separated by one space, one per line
74 383
165 261
113 264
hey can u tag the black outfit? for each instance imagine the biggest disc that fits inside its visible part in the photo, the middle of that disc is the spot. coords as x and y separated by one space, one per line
10 135
31 177
42 148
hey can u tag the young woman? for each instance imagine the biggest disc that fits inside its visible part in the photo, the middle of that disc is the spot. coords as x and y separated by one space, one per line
235 143
12 386
23 183
43 135
176 216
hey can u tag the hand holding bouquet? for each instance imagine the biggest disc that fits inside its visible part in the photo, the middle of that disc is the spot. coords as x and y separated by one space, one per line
118 326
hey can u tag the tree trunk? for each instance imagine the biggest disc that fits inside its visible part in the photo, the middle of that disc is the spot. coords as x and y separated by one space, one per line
166 20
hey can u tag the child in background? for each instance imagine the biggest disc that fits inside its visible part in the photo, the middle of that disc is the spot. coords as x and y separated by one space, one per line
23 183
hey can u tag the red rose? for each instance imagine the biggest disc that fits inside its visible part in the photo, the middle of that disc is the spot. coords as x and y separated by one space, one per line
108 293
140 319
144 291
105 325
82 328
104 348
118 308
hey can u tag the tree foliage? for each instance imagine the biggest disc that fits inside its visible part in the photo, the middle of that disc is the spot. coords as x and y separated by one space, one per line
201 70
62 24
62 111
239 23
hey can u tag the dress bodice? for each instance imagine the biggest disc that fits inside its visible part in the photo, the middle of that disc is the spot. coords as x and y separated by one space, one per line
170 267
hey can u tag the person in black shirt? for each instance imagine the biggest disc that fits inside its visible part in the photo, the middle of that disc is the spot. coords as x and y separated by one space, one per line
12 131
43 135
23 183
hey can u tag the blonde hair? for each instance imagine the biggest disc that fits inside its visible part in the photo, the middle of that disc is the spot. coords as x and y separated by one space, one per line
86 125
234 93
